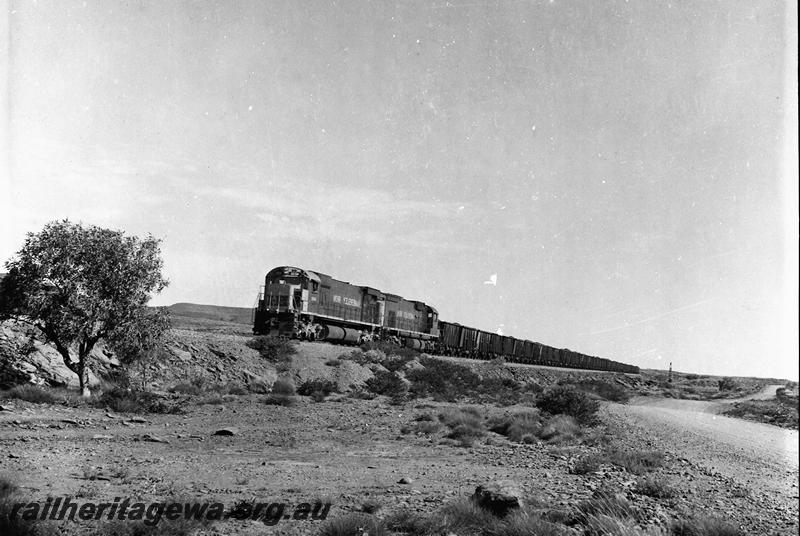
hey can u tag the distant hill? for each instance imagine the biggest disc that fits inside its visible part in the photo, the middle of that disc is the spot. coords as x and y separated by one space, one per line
239 315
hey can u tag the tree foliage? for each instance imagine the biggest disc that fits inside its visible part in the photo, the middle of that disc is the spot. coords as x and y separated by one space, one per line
79 284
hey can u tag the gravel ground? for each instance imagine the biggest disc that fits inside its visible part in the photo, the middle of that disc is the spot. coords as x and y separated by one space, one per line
352 451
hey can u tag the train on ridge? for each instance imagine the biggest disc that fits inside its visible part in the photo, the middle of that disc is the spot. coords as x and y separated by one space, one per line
310 305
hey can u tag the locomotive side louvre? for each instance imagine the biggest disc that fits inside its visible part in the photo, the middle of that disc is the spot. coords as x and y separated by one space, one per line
339 299
404 315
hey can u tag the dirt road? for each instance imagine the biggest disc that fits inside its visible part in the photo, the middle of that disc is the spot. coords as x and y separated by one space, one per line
758 457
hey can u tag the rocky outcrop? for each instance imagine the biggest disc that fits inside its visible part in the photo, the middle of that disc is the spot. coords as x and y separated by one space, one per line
499 497
346 374
26 358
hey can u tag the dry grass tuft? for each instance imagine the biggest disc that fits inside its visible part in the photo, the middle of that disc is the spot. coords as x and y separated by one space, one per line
522 427
560 429
355 524
466 425
30 393
656 487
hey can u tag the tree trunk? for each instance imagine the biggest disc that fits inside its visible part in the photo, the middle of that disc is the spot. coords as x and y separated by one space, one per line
83 377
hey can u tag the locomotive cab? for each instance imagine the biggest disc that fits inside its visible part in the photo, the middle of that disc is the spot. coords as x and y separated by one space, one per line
288 289
283 290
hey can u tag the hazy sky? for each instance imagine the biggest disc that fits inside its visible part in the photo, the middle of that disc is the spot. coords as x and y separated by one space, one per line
626 169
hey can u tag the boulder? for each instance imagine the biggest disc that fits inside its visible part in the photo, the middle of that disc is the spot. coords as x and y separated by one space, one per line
499 497
259 383
26 358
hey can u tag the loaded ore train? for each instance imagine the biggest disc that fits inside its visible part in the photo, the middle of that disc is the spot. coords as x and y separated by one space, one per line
309 305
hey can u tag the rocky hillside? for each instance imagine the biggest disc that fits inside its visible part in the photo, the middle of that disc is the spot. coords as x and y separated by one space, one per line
25 358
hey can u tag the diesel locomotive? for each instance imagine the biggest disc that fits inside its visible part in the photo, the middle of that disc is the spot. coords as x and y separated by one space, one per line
310 305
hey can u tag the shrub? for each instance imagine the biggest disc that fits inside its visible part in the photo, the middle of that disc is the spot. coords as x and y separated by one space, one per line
568 400
604 503
258 385
604 525
428 428
636 462
273 349
523 523
608 391
395 363
134 401
233 388
466 425
318 385
283 393
198 386
361 394
658 488
560 429
728 384
355 524
781 411
30 393
283 386
464 516
501 391
422 424
443 380
194 387
390 349
466 415
585 465
519 427
386 383
358 357
411 522
214 398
